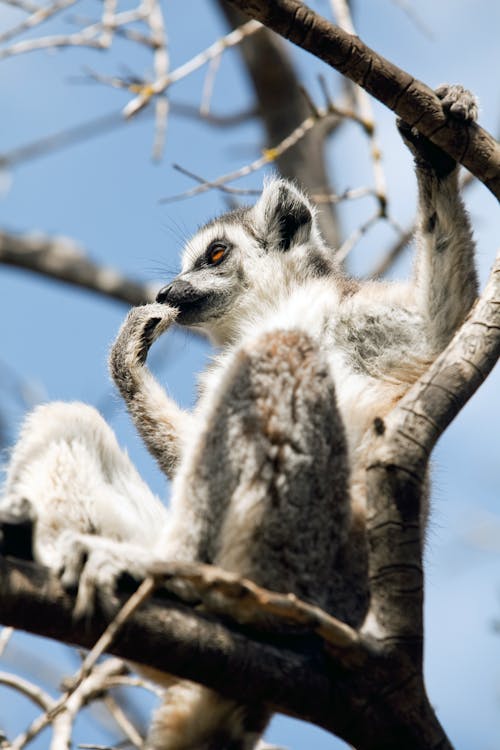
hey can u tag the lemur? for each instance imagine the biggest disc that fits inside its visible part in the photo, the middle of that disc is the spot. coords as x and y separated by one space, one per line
269 469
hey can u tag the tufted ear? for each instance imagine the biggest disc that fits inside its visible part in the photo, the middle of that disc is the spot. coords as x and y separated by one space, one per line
283 215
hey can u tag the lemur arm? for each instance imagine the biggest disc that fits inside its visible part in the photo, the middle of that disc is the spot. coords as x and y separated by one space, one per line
162 424
445 276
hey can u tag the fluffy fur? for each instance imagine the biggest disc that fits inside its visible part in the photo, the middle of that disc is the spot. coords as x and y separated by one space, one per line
269 471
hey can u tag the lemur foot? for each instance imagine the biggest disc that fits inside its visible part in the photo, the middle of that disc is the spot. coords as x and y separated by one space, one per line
142 326
96 568
460 106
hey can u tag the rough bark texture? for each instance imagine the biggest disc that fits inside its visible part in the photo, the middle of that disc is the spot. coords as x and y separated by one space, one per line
409 98
293 674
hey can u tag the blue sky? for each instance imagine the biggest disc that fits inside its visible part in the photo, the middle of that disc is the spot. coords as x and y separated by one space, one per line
105 195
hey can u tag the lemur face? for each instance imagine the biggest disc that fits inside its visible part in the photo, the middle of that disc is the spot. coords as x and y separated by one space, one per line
238 262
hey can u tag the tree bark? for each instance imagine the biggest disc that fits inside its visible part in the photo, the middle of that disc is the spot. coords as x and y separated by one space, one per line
408 97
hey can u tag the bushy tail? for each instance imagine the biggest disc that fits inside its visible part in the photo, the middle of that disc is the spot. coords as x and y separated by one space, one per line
193 717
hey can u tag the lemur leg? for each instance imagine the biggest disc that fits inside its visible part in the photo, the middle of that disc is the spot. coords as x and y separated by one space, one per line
445 276
78 487
163 425
262 493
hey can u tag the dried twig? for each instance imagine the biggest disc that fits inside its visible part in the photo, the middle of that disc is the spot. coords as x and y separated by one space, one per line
365 110
270 155
160 85
122 720
5 637
38 15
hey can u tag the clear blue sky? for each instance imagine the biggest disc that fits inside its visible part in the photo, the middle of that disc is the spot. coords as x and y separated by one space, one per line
104 194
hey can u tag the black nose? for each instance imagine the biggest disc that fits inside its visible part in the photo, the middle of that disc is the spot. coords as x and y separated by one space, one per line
173 292
162 295
179 293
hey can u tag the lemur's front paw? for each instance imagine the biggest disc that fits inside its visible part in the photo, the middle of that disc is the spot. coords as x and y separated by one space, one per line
460 106
98 568
458 102
142 326
17 518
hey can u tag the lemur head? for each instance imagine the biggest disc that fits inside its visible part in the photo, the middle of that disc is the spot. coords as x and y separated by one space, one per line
242 264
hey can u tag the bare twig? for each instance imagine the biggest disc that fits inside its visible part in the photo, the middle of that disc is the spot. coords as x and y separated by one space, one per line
37 16
61 713
60 258
155 21
270 155
29 689
247 603
106 639
365 110
123 721
160 85
5 637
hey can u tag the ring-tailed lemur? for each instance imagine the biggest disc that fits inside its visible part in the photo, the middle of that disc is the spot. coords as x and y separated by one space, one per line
269 470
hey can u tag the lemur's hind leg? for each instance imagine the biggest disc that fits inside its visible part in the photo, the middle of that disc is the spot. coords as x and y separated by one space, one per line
263 493
445 276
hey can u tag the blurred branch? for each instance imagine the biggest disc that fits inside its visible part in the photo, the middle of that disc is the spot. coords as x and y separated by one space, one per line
60 258
409 98
270 155
97 126
149 90
37 16
282 108
365 110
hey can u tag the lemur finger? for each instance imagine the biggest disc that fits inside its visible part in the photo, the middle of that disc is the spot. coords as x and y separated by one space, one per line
142 326
458 102
461 106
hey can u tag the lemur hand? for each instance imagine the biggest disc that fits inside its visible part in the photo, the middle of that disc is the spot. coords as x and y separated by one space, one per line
460 106
142 326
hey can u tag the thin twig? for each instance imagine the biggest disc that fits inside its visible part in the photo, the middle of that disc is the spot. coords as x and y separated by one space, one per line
37 16
365 110
122 720
5 637
269 155
161 84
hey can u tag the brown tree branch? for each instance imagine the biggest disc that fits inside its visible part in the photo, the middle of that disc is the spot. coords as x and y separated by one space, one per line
396 476
294 674
409 98
59 258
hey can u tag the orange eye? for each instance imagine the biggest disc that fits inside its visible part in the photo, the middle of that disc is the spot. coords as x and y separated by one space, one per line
216 252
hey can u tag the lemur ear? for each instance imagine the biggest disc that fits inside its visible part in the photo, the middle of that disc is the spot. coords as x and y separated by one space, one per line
284 215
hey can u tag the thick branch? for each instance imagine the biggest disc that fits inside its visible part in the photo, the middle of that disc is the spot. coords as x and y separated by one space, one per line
399 456
60 259
380 705
406 96
282 107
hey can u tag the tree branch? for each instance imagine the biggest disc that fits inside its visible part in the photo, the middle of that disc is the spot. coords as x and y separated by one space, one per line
282 107
399 456
409 98
61 259
375 704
